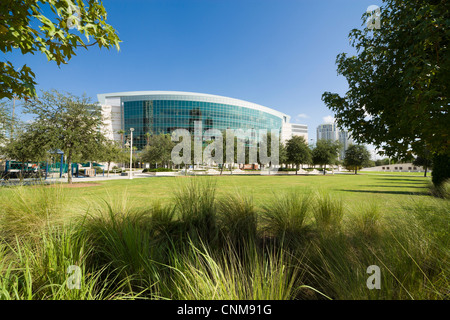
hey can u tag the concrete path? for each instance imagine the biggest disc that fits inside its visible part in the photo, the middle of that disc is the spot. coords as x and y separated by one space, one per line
13 182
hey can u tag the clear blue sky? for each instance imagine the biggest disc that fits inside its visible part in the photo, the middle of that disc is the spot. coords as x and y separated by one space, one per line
277 53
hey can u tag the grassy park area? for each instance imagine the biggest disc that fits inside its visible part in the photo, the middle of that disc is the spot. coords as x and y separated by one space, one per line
388 192
226 237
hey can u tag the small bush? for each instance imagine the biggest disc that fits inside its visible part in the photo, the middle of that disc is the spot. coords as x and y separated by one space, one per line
195 204
157 170
202 274
237 220
328 212
285 216
441 169
366 221
440 191
31 209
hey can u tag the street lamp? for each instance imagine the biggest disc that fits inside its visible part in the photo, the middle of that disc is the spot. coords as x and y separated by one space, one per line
131 154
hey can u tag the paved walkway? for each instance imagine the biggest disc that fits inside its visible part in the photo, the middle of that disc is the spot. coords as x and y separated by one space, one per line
106 178
100 177
136 175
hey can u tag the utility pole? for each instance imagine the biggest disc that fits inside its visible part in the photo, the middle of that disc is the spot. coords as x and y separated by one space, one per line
131 154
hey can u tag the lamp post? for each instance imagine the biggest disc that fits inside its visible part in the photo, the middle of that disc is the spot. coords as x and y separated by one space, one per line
131 154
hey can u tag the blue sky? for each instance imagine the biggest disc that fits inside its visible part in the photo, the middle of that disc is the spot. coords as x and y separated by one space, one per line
277 53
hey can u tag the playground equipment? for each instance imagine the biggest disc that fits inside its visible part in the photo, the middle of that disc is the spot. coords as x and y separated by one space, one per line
11 169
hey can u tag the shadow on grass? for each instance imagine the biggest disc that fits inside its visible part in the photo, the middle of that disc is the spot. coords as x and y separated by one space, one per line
394 186
415 181
387 192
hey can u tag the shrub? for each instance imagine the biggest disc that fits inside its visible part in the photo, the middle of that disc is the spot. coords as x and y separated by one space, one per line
202 274
440 191
196 208
157 170
237 220
285 216
30 209
121 236
441 169
328 212
366 221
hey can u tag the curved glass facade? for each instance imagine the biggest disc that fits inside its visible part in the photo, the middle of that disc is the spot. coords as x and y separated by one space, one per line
164 116
164 111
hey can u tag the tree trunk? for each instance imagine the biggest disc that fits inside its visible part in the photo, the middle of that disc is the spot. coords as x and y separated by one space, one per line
296 169
425 174
356 169
21 171
107 174
69 168
324 169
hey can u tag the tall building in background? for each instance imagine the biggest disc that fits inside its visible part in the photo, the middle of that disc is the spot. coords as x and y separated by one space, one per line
292 129
346 140
330 131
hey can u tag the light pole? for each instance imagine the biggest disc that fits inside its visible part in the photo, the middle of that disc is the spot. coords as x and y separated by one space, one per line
131 154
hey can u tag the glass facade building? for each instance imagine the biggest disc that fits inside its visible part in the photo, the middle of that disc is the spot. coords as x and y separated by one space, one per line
158 112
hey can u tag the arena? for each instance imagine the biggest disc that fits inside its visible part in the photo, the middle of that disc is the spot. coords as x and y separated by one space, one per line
158 112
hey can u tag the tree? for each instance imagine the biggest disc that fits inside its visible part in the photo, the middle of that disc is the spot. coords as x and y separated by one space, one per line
423 162
121 132
68 123
283 154
147 138
158 149
26 147
382 162
297 151
24 27
325 152
356 156
266 152
399 80
111 151
424 158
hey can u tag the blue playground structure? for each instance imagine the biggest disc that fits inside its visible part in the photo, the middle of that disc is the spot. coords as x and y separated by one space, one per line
44 169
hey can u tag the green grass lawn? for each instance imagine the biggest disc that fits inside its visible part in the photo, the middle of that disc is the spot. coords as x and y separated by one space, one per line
388 191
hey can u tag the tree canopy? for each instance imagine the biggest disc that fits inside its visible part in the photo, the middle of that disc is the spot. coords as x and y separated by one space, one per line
325 152
69 123
399 80
356 156
158 149
25 27
25 147
297 151
110 151
424 162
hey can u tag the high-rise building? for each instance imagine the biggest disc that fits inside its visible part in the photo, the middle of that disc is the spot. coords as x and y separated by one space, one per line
330 131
